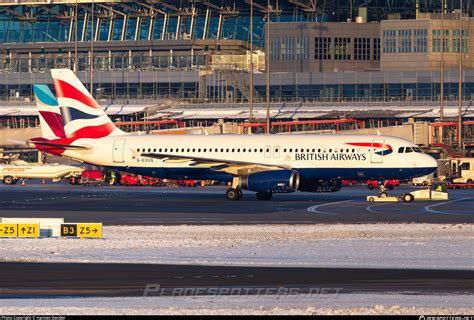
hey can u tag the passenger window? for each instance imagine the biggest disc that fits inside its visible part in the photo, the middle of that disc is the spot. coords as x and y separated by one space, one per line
261 150
291 150
313 150
238 150
319 150
205 150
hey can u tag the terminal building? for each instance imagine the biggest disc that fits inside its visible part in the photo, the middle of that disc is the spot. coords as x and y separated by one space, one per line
198 54
199 50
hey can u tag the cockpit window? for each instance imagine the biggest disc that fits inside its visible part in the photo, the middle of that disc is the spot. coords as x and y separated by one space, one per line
417 149
408 150
401 149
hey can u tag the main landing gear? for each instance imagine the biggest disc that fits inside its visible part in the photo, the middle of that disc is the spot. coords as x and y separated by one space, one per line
235 192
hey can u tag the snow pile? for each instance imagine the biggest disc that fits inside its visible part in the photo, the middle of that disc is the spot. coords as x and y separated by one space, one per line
374 245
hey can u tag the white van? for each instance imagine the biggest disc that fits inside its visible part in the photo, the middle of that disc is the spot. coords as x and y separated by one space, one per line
466 170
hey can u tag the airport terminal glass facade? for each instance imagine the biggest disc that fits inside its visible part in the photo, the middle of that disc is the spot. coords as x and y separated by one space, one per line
156 49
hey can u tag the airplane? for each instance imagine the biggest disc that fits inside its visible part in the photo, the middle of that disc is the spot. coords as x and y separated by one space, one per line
79 129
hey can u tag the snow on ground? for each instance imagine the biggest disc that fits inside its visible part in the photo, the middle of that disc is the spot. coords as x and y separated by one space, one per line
374 245
341 304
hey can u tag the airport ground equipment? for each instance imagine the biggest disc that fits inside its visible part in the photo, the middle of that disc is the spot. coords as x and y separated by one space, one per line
388 184
437 191
11 173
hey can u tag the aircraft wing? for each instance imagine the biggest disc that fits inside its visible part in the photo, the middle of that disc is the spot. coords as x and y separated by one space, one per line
234 167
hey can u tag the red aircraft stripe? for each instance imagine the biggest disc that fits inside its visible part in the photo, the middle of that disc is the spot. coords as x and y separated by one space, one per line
370 144
65 90
55 122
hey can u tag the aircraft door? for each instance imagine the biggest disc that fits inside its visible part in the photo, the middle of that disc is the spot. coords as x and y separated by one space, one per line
377 150
118 150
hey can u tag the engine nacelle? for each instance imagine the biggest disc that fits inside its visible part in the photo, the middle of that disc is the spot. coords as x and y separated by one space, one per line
277 181
332 185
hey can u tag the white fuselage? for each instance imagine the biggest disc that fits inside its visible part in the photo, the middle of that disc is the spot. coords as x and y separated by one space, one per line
315 156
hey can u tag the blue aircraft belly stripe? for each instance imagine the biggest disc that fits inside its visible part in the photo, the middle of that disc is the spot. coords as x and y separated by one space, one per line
305 173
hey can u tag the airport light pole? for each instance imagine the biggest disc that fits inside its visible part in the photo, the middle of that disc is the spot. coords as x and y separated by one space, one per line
441 97
460 83
251 62
92 50
75 40
267 60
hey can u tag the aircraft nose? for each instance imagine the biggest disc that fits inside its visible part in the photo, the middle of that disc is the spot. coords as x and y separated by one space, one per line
431 162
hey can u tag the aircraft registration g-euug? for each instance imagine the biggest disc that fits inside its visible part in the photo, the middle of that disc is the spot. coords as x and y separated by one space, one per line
75 126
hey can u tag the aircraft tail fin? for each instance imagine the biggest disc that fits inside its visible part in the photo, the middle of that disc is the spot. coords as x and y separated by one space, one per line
81 114
49 112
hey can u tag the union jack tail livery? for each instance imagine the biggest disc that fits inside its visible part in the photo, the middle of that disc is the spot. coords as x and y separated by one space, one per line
81 114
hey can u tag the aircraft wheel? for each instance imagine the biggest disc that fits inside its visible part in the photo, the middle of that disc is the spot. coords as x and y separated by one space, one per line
232 194
240 194
264 195
407 197
8 180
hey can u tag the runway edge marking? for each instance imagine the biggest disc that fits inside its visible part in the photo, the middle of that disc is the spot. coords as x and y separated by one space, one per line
428 208
314 209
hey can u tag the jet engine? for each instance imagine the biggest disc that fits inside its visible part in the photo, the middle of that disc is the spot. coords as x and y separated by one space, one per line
275 181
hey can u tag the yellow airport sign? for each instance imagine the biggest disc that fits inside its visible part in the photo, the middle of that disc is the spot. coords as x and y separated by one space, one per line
8 230
89 230
82 230
29 230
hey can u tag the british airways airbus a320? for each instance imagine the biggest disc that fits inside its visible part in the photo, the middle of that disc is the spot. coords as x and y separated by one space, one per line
74 125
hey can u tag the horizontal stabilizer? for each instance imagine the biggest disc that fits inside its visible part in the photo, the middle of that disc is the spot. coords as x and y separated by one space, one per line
57 145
